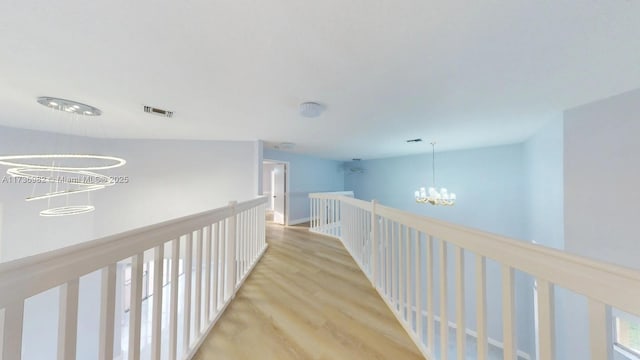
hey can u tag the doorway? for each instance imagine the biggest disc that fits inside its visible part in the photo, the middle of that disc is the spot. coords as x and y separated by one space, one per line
275 186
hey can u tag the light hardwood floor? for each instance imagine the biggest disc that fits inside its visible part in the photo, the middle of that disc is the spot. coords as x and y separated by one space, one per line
307 299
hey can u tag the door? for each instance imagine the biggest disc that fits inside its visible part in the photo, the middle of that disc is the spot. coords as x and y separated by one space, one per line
278 193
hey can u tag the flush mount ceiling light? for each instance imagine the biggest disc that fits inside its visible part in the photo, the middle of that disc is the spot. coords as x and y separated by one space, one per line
66 174
433 196
311 109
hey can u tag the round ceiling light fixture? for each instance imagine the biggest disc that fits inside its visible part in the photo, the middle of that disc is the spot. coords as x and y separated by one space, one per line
311 109
69 106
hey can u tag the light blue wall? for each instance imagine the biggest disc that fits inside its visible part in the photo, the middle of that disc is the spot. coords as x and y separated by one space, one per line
307 174
544 181
489 183
601 177
492 196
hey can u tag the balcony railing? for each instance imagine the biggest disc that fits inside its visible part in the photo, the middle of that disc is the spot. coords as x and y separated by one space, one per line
218 249
407 258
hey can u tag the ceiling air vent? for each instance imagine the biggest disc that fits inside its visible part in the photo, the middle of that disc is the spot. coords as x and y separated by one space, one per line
156 111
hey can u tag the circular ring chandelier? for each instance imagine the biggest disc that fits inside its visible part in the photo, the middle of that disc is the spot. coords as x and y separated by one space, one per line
10 160
67 210
73 171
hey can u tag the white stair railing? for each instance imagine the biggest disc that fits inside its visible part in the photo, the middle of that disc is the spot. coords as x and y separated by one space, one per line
218 250
325 212
398 251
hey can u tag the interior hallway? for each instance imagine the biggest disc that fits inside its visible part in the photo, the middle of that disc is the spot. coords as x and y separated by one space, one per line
307 299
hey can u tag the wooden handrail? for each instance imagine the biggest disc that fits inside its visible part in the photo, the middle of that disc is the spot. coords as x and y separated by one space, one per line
44 271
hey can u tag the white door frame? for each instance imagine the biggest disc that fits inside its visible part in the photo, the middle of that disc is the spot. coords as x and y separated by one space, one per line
287 170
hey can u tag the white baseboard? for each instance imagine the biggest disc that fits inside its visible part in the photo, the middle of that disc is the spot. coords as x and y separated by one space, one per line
298 221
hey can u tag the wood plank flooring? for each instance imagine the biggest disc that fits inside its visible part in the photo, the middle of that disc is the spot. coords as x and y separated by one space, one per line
307 299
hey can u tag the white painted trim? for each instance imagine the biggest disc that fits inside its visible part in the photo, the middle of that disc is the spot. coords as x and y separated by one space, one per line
624 352
298 221
196 346
474 334
425 351
44 271
287 184
605 285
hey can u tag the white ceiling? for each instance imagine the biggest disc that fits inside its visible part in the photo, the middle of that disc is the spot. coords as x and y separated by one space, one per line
466 73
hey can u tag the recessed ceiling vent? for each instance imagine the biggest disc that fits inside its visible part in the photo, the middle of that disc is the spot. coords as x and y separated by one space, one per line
156 111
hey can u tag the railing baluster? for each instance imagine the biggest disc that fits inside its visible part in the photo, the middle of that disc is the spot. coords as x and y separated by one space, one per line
156 335
107 312
407 273
314 213
362 238
231 253
173 312
418 285
135 308
223 268
243 241
215 233
238 242
188 272
546 319
68 320
12 331
481 307
387 241
375 246
207 276
394 282
332 214
444 318
253 229
461 328
431 321
508 313
600 325
198 285
323 212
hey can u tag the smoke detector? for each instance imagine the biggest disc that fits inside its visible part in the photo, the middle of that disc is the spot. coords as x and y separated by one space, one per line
311 109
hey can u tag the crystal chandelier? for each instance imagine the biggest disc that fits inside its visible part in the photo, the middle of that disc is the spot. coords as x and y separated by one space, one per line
433 196
66 174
